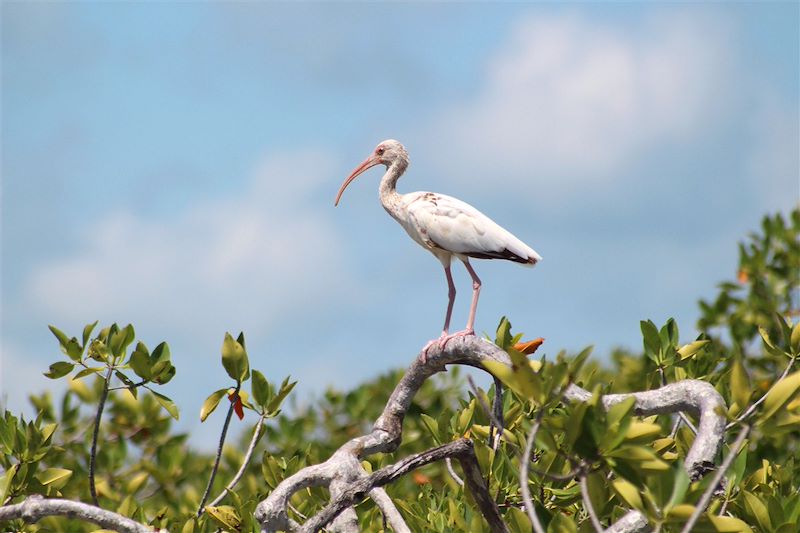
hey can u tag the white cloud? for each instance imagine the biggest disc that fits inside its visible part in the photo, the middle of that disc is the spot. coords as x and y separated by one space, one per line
576 99
236 261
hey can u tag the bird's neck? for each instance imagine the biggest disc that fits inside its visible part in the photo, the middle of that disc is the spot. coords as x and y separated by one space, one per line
390 198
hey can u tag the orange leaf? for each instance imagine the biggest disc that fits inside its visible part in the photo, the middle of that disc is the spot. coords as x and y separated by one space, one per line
742 276
529 347
420 478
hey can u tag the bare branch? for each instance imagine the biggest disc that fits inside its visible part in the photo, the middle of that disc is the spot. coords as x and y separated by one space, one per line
452 472
355 491
709 492
750 410
477 486
587 504
632 522
495 421
36 507
523 476
93 452
692 396
697 397
245 462
389 510
386 434
201 507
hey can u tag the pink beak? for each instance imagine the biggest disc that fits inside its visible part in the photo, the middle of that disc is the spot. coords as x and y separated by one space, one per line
368 163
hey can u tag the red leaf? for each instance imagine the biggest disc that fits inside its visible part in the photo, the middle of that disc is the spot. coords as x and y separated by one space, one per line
237 404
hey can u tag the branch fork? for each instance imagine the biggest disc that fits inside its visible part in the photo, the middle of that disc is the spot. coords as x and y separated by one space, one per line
349 484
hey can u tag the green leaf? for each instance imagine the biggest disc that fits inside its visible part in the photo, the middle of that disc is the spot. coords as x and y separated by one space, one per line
225 515
120 340
211 403
780 394
561 524
692 349
795 340
260 388
284 391
167 404
503 337
164 375
6 479
140 361
88 371
99 351
652 341
234 359
758 509
644 431
160 353
577 362
189 526
124 379
137 482
54 477
629 493
621 410
598 494
69 346
59 370
680 485
87 331
669 334
63 340
433 426
740 383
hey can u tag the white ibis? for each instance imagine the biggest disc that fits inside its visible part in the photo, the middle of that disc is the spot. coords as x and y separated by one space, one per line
444 226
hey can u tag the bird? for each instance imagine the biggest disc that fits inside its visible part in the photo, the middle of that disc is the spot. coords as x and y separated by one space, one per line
445 226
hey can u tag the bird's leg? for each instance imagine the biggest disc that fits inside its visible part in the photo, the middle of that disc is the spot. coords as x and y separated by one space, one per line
451 298
476 291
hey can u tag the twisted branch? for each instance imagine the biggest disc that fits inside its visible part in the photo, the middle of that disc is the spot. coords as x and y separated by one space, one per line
36 507
695 397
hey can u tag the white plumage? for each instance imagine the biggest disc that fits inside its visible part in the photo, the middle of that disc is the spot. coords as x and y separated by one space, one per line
443 225
440 222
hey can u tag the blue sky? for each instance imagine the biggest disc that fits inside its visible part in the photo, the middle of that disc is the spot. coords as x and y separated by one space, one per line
174 165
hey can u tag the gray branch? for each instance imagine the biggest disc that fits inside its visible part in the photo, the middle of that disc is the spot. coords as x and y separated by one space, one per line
35 507
695 397
245 462
386 434
389 510
631 522
349 494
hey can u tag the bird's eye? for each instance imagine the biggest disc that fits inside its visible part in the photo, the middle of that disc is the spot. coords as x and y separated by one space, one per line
380 151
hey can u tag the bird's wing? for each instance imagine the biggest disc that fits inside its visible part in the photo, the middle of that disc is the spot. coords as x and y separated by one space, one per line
459 228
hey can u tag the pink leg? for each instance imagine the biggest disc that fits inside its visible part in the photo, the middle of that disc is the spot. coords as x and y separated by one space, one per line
451 298
476 291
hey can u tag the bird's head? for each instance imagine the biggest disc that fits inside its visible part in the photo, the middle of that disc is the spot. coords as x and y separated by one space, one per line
388 152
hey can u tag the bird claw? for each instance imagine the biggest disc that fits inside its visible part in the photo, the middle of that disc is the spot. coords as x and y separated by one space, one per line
423 356
463 333
442 343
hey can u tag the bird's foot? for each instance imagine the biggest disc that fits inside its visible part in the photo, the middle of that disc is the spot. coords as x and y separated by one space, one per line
463 333
441 342
423 355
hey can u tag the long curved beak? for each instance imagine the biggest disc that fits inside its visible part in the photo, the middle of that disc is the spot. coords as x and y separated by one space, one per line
368 163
